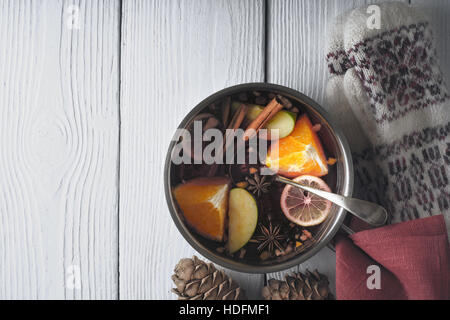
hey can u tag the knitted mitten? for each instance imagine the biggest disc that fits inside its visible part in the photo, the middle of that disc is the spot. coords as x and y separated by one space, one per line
369 182
389 94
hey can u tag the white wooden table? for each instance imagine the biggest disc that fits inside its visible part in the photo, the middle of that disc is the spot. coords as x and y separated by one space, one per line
91 91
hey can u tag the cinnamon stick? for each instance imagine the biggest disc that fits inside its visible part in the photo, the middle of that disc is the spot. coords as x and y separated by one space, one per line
261 120
226 107
234 124
238 117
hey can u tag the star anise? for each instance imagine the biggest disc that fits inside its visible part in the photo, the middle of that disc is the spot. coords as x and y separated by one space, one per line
270 237
258 184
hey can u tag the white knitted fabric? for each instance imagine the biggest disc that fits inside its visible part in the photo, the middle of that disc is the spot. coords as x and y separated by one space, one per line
388 94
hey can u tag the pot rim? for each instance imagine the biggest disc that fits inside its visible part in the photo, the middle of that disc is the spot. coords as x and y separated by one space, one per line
341 213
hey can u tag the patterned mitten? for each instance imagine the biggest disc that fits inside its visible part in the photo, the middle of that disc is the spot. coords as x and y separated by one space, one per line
369 182
390 80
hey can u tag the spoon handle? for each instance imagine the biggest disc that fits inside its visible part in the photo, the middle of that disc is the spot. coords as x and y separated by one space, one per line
369 212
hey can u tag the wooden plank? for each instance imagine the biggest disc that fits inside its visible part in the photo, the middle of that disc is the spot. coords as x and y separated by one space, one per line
438 12
174 54
296 42
59 138
296 58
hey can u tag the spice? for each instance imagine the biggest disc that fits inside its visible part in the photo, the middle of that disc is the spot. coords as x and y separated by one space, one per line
242 184
270 237
261 120
257 184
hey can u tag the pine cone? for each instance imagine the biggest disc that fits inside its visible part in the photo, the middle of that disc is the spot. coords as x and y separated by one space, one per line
197 280
299 286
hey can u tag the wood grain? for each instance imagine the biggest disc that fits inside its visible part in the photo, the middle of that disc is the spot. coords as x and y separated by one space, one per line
438 12
59 139
174 54
59 127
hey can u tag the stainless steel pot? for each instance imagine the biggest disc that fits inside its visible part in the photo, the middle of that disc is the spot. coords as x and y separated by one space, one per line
340 180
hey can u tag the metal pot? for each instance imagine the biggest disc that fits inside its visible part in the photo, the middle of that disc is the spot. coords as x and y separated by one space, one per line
340 180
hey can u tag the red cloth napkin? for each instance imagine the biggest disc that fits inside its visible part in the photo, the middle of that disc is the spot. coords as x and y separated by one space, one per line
413 256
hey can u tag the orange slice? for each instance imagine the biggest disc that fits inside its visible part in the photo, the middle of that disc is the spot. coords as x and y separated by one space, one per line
299 153
302 207
204 203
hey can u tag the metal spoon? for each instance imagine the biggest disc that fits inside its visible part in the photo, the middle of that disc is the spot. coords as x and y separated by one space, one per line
369 212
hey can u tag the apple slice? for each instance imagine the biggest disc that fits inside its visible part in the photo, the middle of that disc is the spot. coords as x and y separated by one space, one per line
242 218
253 111
284 121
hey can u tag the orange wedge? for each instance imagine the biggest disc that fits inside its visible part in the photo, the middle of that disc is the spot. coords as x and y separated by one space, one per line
204 203
299 153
